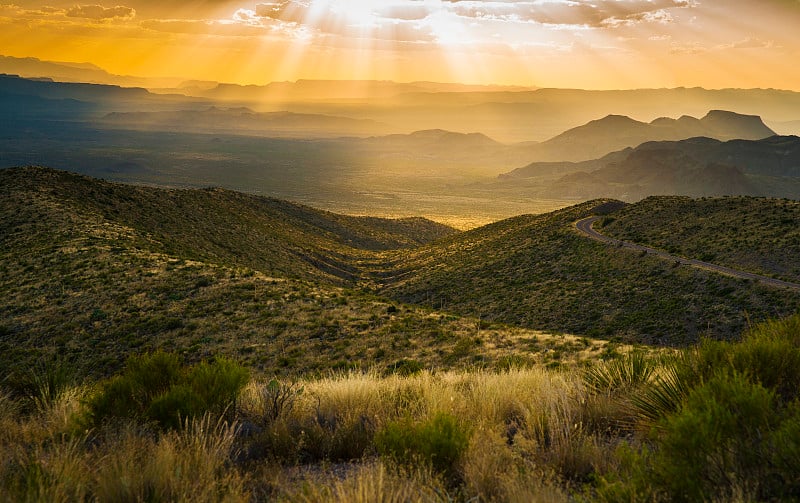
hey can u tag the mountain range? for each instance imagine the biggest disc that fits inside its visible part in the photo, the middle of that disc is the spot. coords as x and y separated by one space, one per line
615 132
347 163
693 167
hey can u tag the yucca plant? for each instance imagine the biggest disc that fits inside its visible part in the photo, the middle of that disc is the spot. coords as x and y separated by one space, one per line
42 386
620 374
661 397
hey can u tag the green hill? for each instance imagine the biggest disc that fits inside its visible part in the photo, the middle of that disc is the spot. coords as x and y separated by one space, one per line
537 271
92 272
752 234
225 227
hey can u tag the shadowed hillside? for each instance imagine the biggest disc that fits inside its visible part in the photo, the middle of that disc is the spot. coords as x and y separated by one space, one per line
226 227
692 167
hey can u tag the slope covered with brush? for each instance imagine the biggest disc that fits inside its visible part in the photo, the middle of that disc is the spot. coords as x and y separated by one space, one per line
93 272
537 271
231 228
753 234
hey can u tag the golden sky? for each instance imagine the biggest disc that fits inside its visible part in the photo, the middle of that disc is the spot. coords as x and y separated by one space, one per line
597 44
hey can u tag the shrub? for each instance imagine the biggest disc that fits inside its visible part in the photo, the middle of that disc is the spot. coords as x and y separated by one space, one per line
156 387
786 456
278 398
405 367
217 384
439 441
663 396
169 408
715 445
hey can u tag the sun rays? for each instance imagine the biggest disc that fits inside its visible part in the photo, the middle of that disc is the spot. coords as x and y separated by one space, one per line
552 43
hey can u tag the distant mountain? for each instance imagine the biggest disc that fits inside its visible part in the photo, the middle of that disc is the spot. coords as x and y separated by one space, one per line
325 90
244 121
668 171
615 132
98 98
786 127
692 167
433 139
75 72
45 88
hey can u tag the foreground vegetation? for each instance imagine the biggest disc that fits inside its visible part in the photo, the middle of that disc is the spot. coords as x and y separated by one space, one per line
715 422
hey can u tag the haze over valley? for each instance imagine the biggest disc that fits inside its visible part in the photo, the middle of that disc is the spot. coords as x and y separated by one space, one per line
375 163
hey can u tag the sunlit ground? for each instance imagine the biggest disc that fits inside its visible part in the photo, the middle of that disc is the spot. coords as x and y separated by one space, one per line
460 212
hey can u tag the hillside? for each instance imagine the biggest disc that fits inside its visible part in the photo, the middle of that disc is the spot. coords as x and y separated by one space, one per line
228 228
92 272
536 271
763 237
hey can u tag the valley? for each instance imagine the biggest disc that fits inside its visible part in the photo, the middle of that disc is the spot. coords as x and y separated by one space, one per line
127 268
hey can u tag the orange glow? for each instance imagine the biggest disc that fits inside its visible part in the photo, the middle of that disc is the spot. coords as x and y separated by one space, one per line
602 44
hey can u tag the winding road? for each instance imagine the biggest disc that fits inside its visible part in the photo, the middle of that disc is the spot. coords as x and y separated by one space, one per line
585 226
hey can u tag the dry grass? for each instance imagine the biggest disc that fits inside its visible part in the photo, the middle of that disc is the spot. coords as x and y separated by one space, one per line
527 444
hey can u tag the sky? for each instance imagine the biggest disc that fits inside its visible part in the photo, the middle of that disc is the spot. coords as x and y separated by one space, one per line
597 44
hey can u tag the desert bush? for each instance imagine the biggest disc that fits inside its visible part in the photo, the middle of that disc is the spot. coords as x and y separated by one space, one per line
438 441
785 455
405 367
716 443
179 401
665 394
770 355
217 384
157 387
493 470
277 398
192 463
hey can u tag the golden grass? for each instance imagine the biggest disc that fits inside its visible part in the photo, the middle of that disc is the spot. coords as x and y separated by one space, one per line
530 440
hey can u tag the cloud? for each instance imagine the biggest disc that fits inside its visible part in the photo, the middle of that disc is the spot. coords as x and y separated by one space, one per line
749 43
595 14
217 28
457 21
746 43
687 49
100 13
